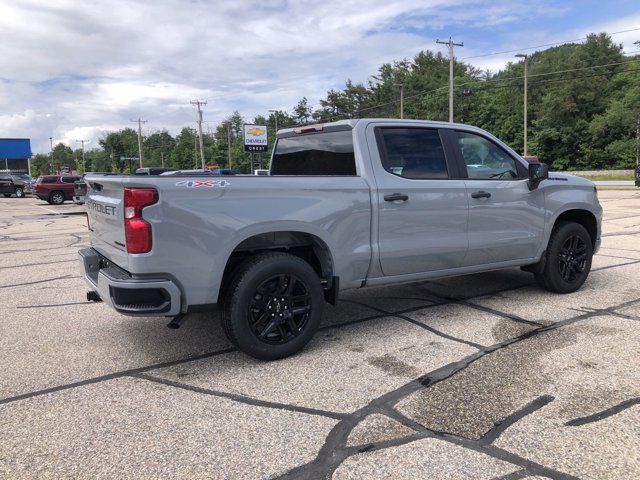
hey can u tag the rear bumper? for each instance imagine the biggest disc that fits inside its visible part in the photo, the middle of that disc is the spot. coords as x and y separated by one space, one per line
126 293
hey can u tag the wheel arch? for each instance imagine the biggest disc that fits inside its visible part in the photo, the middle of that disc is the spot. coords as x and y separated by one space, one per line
583 217
305 245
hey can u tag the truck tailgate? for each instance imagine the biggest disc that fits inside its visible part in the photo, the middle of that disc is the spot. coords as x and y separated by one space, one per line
104 201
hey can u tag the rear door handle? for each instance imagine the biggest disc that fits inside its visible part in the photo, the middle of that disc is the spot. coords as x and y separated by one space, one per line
394 197
481 194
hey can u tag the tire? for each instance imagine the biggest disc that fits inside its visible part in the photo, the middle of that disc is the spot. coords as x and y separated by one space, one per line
56 198
568 259
19 192
273 306
7 195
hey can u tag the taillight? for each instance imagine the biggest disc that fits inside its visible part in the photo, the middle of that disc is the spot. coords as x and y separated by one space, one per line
137 230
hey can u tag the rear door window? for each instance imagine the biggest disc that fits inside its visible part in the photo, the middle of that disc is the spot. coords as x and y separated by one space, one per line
415 153
69 179
327 153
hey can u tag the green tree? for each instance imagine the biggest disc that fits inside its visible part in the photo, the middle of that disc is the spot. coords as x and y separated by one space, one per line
41 164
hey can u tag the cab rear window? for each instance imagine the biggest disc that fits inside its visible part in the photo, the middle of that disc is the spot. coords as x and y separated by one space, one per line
327 153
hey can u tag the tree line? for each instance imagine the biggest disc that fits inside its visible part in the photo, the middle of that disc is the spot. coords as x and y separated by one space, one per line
584 111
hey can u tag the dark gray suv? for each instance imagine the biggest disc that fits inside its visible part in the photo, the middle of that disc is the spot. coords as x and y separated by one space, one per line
11 184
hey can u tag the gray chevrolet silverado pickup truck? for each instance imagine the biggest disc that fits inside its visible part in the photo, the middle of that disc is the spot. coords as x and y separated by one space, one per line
346 205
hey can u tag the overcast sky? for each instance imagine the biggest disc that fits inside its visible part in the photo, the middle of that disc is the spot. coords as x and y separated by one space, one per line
74 70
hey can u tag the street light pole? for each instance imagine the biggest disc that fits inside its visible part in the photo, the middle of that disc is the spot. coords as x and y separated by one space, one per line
526 91
401 85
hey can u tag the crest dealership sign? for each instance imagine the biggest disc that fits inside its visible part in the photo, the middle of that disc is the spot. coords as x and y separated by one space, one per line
255 138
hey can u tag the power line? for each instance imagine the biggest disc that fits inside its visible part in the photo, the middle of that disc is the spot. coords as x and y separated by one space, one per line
544 45
482 86
555 80
496 80
424 92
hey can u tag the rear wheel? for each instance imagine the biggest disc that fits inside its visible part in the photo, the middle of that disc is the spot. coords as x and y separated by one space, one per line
19 192
569 256
56 198
273 306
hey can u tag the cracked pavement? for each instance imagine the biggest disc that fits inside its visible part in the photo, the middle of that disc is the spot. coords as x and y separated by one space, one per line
480 377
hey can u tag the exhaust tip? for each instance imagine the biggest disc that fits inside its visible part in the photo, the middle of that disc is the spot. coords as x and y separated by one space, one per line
175 323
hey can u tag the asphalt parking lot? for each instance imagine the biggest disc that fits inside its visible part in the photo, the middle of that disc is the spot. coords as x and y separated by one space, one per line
479 377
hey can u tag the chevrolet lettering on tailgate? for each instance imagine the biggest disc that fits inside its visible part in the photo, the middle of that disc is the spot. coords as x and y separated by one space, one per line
100 208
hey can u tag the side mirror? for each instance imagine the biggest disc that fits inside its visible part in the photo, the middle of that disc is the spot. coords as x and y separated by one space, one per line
537 173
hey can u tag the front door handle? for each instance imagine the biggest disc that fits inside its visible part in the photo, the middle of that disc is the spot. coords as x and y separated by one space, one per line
481 194
394 197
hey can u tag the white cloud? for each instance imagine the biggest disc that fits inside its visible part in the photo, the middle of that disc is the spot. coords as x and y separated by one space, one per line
73 69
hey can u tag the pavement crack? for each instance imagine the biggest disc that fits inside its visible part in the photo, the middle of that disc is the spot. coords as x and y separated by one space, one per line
334 450
421 325
242 398
439 333
77 240
38 264
614 266
113 376
609 412
517 475
493 434
64 277
57 305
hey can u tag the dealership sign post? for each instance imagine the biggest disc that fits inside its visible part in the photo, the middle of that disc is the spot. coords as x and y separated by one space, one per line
255 141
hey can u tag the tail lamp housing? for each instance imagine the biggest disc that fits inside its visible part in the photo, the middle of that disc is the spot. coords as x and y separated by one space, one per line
137 230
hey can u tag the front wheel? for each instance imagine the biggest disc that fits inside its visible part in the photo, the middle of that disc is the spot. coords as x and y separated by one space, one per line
19 192
56 198
273 306
568 261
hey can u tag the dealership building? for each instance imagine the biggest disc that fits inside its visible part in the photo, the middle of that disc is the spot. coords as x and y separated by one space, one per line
15 155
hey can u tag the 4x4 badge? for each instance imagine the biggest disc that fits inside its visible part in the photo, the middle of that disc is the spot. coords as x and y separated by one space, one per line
203 183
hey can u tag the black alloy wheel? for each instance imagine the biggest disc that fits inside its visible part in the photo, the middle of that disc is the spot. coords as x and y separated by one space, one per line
568 258
572 259
272 305
280 309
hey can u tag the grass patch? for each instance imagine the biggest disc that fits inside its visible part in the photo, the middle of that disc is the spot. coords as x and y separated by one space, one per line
599 178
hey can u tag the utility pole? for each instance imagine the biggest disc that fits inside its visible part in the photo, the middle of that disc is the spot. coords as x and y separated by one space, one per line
451 44
275 118
199 104
229 144
401 85
524 56
638 140
195 151
51 155
140 122
84 166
